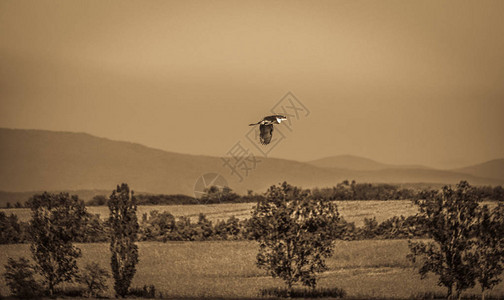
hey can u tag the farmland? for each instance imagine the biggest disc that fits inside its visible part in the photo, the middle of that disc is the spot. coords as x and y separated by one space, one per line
375 268
351 210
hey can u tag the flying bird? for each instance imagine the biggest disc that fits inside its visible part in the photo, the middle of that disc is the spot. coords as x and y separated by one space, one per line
266 127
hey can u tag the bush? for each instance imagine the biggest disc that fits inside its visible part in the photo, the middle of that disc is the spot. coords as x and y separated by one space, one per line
94 230
68 292
157 226
97 200
303 293
215 194
94 278
146 199
10 229
433 295
145 292
19 278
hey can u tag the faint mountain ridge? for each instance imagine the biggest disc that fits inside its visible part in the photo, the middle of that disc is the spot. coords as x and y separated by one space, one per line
35 160
492 169
358 163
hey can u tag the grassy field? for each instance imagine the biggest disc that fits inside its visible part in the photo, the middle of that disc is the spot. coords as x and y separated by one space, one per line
352 211
372 268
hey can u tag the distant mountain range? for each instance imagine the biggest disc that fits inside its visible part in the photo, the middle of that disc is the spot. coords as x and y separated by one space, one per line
490 169
38 160
357 163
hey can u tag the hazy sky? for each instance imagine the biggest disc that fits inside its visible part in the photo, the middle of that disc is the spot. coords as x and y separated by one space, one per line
397 81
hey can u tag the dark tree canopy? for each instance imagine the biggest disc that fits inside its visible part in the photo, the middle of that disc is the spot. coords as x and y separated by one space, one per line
124 228
56 221
489 247
451 219
295 232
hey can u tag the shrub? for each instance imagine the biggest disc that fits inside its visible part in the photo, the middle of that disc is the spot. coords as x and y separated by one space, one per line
215 194
94 230
97 200
94 278
145 292
10 229
19 278
436 295
69 291
304 293
157 226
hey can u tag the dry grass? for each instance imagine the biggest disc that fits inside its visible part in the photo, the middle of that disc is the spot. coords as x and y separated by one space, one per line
352 211
373 268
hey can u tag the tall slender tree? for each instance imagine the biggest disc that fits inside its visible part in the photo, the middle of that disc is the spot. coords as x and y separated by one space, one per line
124 228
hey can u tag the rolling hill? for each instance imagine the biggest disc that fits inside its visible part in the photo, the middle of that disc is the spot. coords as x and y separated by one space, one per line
37 160
34 160
357 163
491 169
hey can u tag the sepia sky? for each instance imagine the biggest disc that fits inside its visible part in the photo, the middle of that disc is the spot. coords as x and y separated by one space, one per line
416 82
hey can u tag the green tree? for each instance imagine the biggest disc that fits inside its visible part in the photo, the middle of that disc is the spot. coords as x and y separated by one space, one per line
204 227
295 232
450 217
56 221
489 247
94 278
157 226
19 278
215 194
10 229
97 200
124 228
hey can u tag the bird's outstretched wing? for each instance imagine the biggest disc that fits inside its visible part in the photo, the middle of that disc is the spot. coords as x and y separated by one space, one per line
266 133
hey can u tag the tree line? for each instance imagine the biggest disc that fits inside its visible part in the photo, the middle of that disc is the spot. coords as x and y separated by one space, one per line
164 227
366 191
344 190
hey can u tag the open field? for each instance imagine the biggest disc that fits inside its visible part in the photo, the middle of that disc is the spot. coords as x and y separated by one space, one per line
351 210
376 268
